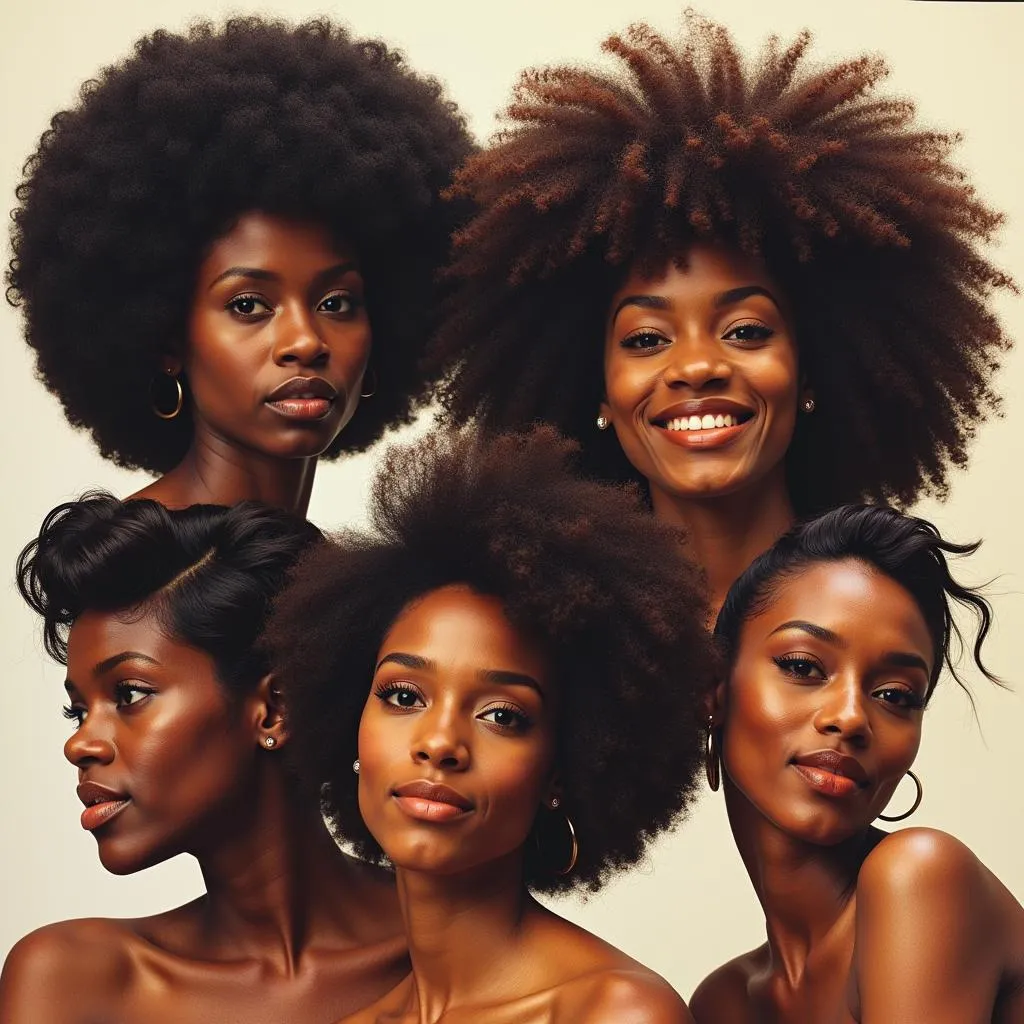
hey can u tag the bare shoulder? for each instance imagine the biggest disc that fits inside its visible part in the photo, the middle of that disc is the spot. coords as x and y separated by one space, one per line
723 994
72 965
624 996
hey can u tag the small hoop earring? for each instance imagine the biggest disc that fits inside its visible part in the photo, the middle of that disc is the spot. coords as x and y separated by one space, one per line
373 389
809 405
712 760
603 423
356 766
913 807
179 400
269 741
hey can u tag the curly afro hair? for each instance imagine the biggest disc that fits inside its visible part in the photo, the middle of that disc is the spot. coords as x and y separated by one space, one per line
209 573
855 209
576 563
166 149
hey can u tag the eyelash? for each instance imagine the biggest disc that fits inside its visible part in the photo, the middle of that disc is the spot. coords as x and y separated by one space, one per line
346 297
762 334
910 700
786 663
522 723
385 690
75 714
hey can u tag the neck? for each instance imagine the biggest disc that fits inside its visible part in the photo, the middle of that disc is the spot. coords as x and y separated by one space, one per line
806 890
725 533
275 879
218 472
458 928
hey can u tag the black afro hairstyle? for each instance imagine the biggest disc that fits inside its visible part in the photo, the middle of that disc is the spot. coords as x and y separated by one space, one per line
167 149
908 550
854 207
577 565
209 573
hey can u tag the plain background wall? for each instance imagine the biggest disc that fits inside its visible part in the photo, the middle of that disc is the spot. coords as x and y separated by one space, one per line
691 906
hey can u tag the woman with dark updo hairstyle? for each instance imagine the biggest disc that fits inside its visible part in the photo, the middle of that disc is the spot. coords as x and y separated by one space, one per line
834 640
758 287
179 737
501 688
230 240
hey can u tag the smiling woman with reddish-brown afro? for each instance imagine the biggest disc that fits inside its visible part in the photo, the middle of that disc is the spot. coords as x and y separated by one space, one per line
869 237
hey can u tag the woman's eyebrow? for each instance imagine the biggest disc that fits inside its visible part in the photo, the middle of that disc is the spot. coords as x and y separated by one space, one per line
255 273
413 661
739 294
644 302
505 678
818 632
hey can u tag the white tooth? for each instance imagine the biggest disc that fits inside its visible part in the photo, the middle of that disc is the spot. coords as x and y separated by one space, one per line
695 423
707 421
681 423
719 420
729 421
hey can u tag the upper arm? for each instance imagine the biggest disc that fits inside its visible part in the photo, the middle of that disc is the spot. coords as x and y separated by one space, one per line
927 945
721 996
628 997
55 975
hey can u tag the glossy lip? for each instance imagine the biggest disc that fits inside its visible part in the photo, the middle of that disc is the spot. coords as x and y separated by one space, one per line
431 801
303 398
830 772
711 437
101 804
702 407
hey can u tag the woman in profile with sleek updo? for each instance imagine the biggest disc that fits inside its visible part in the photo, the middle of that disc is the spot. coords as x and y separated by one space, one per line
759 287
501 686
226 254
179 739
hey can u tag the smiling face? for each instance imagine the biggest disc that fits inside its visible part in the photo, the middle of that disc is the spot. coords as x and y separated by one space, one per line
276 302
456 741
158 744
823 708
701 375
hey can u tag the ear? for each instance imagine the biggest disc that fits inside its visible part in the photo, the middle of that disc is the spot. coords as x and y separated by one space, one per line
716 703
171 362
268 714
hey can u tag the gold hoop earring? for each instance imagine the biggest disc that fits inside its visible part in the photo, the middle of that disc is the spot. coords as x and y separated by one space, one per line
179 401
712 759
373 389
575 851
913 807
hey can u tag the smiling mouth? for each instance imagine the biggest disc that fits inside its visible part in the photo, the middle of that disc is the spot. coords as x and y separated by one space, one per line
709 421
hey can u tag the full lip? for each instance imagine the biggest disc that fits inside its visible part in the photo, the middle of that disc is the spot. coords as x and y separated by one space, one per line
91 793
303 387
834 763
434 792
102 804
703 407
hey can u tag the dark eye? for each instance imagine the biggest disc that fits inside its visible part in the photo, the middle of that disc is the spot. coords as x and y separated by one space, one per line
337 302
247 305
128 695
899 697
748 333
398 695
644 340
506 717
801 666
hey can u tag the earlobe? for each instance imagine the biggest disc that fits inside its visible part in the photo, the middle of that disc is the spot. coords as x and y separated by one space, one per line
269 714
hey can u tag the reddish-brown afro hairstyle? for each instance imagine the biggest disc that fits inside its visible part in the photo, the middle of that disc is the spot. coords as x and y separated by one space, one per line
578 566
856 209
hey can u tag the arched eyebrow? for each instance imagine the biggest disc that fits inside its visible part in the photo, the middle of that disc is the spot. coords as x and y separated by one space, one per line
722 299
502 677
818 632
258 274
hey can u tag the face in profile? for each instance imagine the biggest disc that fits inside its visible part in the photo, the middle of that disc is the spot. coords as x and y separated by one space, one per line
161 752
822 712
279 338
701 375
456 740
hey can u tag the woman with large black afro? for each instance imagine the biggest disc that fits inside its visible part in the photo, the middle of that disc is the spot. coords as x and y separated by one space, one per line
758 286
230 240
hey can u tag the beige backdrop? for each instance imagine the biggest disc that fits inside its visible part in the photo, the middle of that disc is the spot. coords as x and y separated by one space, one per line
691 906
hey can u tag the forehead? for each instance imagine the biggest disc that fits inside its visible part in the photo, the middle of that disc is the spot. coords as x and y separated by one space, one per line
707 268
868 610
268 242
463 632
98 635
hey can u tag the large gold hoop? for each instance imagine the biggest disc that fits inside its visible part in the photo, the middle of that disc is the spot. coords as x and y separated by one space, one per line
914 806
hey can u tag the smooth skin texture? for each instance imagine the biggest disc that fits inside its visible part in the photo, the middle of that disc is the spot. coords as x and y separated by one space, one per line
289 929
862 926
460 698
274 300
710 338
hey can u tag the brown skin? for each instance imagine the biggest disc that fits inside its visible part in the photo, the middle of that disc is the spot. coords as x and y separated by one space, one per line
462 698
274 300
862 926
712 337
289 928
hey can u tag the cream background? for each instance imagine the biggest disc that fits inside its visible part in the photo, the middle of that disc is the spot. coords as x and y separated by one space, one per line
691 906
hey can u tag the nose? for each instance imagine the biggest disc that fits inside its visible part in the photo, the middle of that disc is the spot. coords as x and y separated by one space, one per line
696 361
89 745
297 340
843 711
437 742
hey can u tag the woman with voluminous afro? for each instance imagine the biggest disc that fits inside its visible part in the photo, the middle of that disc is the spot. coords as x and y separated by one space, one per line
500 687
765 277
228 241
178 740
